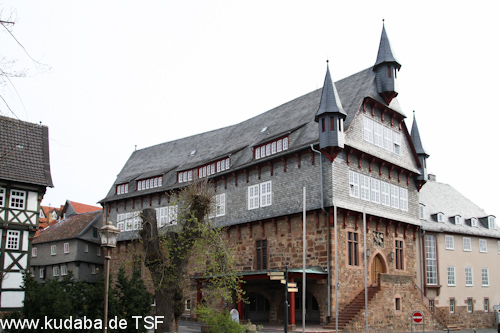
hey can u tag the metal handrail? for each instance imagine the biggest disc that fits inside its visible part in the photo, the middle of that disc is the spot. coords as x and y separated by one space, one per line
440 315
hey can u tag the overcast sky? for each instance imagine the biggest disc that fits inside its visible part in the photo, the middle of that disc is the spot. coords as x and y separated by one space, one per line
114 75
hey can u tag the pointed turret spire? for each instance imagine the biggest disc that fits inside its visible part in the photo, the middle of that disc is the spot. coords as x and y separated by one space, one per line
330 118
421 153
386 68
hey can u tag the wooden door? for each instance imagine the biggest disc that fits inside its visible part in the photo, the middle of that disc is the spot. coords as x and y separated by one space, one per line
376 269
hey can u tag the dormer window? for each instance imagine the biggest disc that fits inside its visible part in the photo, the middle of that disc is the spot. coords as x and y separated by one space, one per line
473 222
422 211
204 171
273 147
122 189
146 184
458 220
440 217
492 222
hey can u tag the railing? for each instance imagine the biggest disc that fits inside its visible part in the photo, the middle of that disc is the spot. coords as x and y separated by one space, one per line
438 314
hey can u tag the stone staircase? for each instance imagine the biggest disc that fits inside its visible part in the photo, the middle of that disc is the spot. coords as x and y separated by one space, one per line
350 311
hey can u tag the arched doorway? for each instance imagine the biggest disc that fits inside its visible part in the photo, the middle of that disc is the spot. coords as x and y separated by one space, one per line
377 267
312 308
257 309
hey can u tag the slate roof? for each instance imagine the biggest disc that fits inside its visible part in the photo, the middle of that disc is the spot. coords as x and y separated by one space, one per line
295 118
385 52
415 137
24 152
330 101
72 227
443 198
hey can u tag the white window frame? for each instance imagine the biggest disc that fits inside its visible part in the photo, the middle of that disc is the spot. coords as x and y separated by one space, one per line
403 199
55 271
220 204
394 196
41 273
458 220
388 143
422 212
364 187
431 260
397 142
486 305
13 240
385 193
353 184
66 247
470 305
492 222
473 222
485 277
86 248
17 199
266 194
121 226
34 252
92 269
368 129
375 190
452 281
64 270
53 250
98 251
2 196
378 134
452 305
467 243
440 217
469 277
449 242
483 245
253 196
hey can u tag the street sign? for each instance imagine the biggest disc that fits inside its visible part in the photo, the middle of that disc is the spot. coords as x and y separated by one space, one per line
276 277
275 273
417 317
293 290
292 285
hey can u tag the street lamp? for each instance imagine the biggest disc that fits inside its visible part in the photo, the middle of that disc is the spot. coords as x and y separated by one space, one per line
109 237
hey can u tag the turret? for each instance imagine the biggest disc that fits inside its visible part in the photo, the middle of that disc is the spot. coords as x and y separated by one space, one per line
330 118
386 68
419 149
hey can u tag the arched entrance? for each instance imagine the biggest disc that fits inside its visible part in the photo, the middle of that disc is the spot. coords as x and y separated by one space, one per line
377 267
312 308
257 310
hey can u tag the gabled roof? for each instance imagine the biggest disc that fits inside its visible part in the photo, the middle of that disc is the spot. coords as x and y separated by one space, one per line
24 152
72 227
439 197
82 208
294 118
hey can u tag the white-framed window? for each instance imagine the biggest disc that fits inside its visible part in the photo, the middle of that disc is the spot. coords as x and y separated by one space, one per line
368 129
34 252
354 184
485 277
394 196
388 138
266 194
253 197
375 190
271 148
458 220
385 193
86 248
486 305
483 246
12 242
166 215
53 250
473 222
469 281
452 306
64 270
122 189
66 247
422 212
470 305
467 244
403 199
397 142
492 222
220 204
55 271
451 275
449 242
364 182
129 221
98 251
17 199
440 217
120 225
92 269
41 273
378 134
2 196
431 259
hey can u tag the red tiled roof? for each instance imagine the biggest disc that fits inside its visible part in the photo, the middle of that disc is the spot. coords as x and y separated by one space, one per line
82 208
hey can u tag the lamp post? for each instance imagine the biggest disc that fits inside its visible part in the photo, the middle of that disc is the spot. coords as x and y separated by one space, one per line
109 236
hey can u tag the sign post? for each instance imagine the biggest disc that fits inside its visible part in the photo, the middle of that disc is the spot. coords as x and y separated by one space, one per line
417 318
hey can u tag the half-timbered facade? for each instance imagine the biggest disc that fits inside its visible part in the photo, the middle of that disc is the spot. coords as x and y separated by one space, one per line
24 177
348 145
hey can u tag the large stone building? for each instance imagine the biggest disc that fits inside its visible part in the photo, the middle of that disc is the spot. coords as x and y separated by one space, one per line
349 146
24 178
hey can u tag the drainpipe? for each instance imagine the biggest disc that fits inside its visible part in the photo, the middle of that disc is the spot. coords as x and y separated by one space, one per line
329 232
422 253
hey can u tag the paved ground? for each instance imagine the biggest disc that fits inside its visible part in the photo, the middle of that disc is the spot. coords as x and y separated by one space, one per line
192 327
